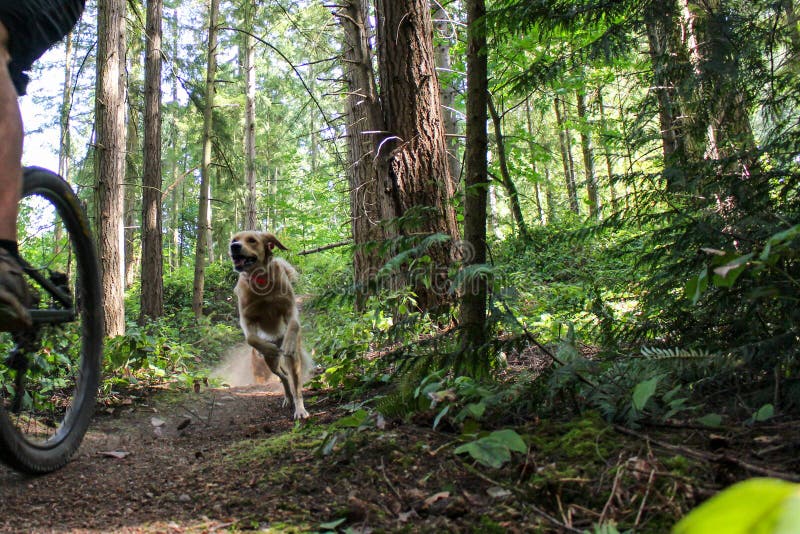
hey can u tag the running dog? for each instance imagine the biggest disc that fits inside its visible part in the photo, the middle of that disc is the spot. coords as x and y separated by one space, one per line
268 312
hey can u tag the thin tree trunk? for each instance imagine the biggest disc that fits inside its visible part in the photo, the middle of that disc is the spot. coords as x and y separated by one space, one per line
203 217
133 171
66 103
473 307
549 196
250 114
176 195
447 91
505 175
152 293
588 156
661 31
566 157
537 192
110 158
604 140
533 155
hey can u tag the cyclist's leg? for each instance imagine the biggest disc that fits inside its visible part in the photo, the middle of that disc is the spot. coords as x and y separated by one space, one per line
13 314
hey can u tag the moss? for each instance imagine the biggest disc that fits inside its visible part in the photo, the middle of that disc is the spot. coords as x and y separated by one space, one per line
582 439
679 465
489 526
251 451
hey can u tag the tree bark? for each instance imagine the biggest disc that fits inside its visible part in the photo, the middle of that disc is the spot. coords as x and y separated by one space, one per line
203 217
152 292
473 306
416 152
371 203
566 157
505 175
588 156
110 158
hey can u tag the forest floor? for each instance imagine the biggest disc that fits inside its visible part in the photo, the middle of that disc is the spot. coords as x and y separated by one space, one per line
231 459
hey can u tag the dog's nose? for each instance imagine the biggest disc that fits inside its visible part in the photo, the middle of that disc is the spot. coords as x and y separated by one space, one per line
236 247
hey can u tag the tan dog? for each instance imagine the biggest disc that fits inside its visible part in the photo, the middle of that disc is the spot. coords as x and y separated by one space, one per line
268 311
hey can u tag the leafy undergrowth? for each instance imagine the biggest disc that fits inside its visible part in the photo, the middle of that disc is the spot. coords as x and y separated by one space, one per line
231 460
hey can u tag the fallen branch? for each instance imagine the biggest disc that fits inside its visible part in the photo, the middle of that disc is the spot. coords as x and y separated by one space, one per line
325 247
711 457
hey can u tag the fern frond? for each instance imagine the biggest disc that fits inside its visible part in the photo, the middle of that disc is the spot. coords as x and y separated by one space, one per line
675 353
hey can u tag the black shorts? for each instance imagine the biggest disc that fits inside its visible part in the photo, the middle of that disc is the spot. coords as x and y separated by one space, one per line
33 27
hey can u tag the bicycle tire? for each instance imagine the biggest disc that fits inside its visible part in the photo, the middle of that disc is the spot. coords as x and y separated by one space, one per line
32 453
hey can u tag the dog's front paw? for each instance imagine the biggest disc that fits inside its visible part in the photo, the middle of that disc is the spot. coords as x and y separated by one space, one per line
301 413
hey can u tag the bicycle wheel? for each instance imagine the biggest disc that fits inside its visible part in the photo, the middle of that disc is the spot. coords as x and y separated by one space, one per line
49 380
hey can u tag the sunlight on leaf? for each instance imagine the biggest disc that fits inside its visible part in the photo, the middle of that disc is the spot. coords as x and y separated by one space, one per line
756 506
643 391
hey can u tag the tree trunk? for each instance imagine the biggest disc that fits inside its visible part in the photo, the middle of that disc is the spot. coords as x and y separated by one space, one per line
250 114
604 140
371 203
473 306
416 152
203 217
110 158
133 171
661 35
566 157
447 90
533 155
505 175
176 194
588 156
549 195
66 104
152 293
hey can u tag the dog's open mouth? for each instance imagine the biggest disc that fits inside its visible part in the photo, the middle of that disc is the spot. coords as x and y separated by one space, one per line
241 262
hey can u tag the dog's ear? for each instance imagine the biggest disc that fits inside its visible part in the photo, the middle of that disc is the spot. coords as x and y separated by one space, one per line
270 241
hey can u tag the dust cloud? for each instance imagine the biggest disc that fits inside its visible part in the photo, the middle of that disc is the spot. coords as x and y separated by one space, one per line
240 368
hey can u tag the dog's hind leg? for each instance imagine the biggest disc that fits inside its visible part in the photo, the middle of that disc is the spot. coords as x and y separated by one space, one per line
297 363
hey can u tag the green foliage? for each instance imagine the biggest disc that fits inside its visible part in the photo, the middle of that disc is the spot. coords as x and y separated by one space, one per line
494 449
755 506
175 347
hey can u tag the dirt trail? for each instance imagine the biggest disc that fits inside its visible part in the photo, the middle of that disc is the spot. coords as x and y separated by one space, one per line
141 467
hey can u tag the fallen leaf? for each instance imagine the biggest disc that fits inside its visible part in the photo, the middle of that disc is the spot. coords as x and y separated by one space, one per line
407 516
496 492
119 455
155 421
435 498
186 422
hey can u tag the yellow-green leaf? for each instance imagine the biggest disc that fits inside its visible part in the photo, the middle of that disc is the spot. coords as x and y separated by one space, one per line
755 506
